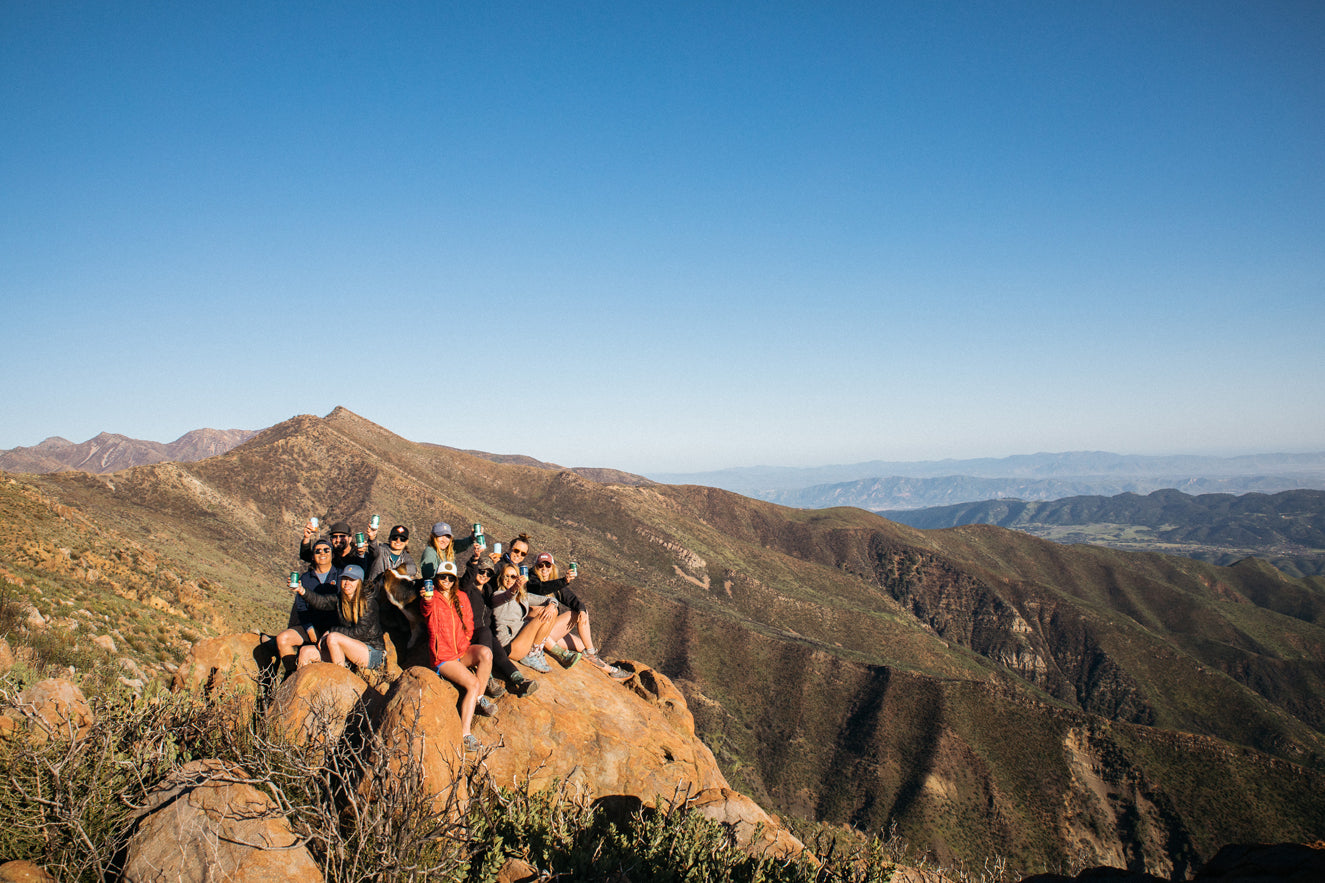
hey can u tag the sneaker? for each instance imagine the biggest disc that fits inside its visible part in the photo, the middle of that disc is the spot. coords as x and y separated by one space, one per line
536 661
567 658
486 707
472 744
619 674
495 689
522 686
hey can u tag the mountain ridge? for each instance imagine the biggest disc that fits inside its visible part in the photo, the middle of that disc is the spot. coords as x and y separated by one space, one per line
111 452
965 684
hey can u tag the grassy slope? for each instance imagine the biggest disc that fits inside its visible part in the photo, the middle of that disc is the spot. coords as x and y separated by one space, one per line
822 694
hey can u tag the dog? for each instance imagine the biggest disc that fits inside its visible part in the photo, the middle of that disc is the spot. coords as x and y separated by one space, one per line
400 590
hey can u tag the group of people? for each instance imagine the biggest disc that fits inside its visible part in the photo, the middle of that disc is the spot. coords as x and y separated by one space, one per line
481 609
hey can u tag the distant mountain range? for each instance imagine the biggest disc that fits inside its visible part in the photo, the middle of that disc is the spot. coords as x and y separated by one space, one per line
1287 528
982 690
881 485
109 452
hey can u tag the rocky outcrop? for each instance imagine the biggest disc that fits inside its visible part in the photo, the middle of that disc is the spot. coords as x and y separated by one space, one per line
20 871
208 822
51 709
318 702
604 738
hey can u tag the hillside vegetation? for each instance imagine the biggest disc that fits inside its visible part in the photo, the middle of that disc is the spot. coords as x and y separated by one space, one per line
983 691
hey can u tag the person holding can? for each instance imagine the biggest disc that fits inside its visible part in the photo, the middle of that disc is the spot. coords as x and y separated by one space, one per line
391 555
524 621
442 546
452 655
356 636
474 582
545 579
343 552
307 624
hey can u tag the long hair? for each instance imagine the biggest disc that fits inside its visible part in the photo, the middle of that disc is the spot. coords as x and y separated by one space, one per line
452 594
501 586
447 554
351 606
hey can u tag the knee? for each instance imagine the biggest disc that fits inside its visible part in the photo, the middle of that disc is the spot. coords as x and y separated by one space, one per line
484 654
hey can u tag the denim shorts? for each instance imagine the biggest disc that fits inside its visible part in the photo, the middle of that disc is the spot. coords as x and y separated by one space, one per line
438 669
375 658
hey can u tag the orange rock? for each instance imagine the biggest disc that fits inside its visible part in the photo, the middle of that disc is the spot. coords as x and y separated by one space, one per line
228 669
754 829
20 871
585 727
657 689
6 658
207 823
317 701
419 728
53 708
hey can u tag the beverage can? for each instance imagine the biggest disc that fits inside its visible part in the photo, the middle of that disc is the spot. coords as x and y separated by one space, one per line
294 579
375 521
360 539
481 540
574 568
313 521
478 529
524 570
427 587
496 547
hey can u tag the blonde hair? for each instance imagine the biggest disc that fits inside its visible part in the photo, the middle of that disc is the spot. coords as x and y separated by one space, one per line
446 555
520 592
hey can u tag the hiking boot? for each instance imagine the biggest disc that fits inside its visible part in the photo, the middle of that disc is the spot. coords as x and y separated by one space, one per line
536 661
521 685
567 658
472 744
486 707
619 674
495 689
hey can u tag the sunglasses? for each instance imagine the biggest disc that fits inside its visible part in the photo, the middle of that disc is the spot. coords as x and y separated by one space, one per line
520 552
506 576
445 576
322 551
541 566
340 536
483 574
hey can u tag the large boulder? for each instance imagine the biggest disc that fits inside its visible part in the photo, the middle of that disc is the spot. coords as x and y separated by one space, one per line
228 669
419 730
6 657
599 735
206 823
51 709
753 829
21 871
316 703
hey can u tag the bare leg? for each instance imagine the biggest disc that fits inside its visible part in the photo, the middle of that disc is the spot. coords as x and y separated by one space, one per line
560 626
288 643
525 641
339 648
470 683
309 653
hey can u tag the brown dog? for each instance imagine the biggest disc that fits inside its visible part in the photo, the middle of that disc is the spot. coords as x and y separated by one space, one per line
399 589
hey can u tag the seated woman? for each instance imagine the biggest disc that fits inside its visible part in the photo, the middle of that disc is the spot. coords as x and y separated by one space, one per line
450 627
523 621
474 583
307 625
356 636
545 579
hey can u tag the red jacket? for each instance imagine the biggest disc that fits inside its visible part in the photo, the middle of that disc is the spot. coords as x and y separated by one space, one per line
448 635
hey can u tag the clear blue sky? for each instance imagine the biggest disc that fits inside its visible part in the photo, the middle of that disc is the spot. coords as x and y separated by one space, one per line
670 236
